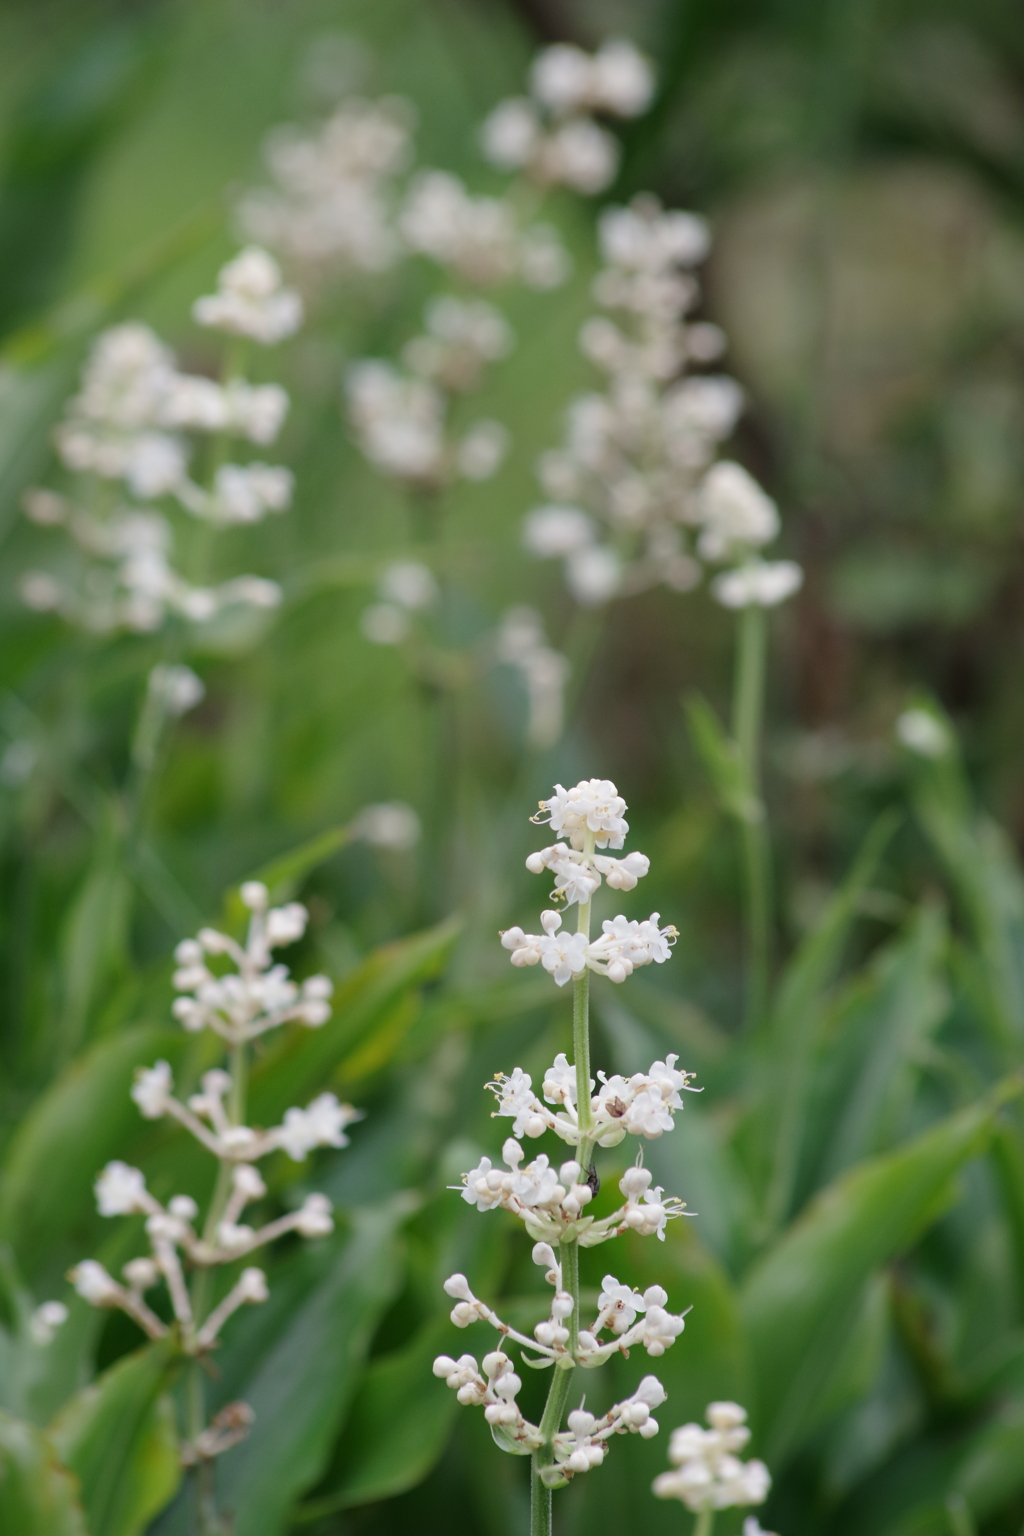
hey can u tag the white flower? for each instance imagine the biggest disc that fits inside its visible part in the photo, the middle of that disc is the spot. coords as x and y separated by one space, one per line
765 583
557 531
94 1284
152 1090
314 1218
246 493
177 687
120 1190
923 733
707 1474
735 512
251 300
511 134
480 451
408 583
321 1124
593 575
330 208
621 1304
559 1085
580 155
392 824
45 1321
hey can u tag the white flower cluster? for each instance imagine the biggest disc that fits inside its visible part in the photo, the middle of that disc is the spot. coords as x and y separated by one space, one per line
399 424
707 1473
551 134
331 209
129 423
239 1006
587 817
580 1448
636 496
130 582
251 300
520 642
641 1105
551 1202
478 239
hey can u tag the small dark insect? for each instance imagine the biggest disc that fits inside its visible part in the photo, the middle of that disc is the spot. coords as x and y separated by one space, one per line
617 1108
593 1180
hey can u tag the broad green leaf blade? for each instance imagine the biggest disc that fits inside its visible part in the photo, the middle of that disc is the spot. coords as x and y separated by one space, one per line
305 1061
118 1437
300 1375
397 1427
38 1497
801 1300
82 1121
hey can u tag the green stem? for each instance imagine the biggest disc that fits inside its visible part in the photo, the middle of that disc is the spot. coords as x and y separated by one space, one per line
568 1253
748 709
705 1520
195 1402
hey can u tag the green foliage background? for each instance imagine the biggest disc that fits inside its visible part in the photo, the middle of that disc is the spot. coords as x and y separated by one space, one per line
857 1267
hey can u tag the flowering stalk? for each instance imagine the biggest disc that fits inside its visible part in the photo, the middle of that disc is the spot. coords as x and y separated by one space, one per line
748 708
239 1005
552 1203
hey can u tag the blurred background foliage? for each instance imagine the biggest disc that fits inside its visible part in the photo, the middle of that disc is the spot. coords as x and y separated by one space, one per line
857 1268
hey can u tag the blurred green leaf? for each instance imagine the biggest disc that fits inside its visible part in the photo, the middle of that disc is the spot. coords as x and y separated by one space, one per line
397 1427
38 1497
365 1008
800 1302
870 1059
95 938
986 879
118 1437
784 1059
283 875
299 1367
82 1121
722 763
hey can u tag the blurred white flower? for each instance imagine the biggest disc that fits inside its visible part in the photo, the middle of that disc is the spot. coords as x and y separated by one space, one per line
45 1321
331 209
707 1473
391 824
761 583
176 687
521 643
251 300
924 733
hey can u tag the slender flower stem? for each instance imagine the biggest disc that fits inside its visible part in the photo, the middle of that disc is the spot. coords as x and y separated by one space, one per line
568 1253
195 1407
705 1520
748 708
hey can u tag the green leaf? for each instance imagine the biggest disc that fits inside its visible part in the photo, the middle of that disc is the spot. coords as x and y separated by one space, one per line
871 1060
299 1369
94 942
986 878
788 1040
722 763
397 1427
365 1008
81 1122
118 1436
990 1471
38 1497
283 875
801 1301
